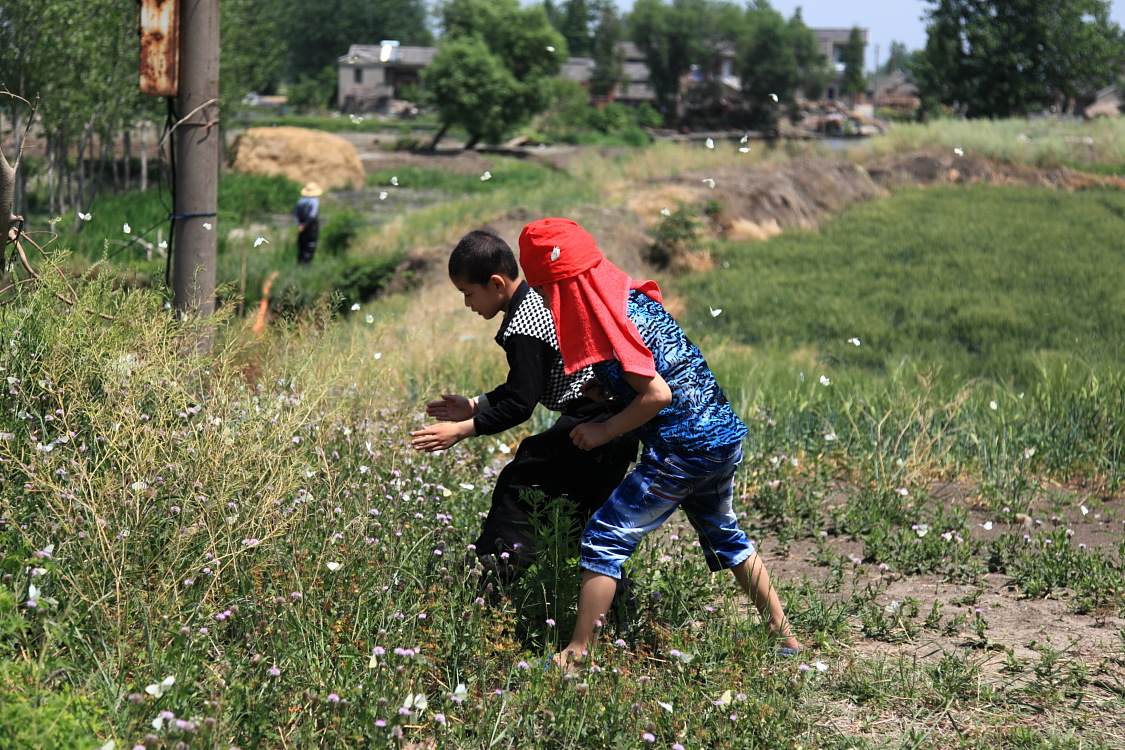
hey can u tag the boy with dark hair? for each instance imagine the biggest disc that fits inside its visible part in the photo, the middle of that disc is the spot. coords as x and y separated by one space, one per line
484 269
692 438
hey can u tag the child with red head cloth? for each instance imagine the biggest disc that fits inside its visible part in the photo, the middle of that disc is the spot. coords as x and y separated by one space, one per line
691 436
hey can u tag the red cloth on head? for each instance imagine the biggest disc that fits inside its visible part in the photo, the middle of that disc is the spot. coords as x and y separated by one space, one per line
587 294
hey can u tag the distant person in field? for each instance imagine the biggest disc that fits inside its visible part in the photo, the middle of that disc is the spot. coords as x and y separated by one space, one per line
307 217
691 437
484 270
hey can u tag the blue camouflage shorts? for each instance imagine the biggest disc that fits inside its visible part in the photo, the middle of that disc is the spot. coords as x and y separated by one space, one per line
700 483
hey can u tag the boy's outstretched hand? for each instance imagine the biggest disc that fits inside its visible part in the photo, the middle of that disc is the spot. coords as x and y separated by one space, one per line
452 408
442 436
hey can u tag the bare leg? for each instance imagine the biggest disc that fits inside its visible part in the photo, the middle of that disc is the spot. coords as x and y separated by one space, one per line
755 582
594 600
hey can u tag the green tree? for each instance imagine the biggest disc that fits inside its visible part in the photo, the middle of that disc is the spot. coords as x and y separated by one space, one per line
898 58
670 38
316 34
1004 58
252 50
577 16
609 62
776 60
812 67
855 82
490 71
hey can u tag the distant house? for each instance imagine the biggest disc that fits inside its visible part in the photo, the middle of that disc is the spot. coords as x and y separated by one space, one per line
634 87
372 75
832 43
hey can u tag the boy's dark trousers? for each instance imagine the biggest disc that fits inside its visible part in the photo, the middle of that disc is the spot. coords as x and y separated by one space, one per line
550 462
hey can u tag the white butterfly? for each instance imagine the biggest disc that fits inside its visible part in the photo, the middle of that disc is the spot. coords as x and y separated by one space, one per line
665 212
127 229
556 252
710 182
486 176
163 245
550 48
84 217
854 341
355 306
710 143
715 311
987 525
666 706
207 225
774 97
745 137
416 701
959 151
744 150
824 380
394 181
460 692
382 195
333 566
369 319
158 689
261 241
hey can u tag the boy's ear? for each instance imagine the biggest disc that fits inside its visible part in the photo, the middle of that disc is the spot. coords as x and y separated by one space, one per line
497 282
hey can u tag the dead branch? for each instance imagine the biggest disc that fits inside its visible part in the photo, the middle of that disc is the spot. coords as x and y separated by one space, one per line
34 275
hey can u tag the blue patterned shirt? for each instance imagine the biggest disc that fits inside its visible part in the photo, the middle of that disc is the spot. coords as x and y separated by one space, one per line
699 418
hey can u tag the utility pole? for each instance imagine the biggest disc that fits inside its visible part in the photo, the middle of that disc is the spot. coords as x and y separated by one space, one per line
197 153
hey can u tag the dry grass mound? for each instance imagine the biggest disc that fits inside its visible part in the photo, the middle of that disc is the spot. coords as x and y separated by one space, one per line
301 155
758 202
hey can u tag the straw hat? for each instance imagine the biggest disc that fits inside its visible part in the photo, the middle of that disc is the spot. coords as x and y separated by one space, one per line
312 190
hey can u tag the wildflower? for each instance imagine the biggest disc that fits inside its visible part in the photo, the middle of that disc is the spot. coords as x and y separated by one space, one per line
380 723
440 718
273 672
550 622
523 665
333 698
296 595
649 736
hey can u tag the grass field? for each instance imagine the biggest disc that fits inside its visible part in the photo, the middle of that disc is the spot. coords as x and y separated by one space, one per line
235 547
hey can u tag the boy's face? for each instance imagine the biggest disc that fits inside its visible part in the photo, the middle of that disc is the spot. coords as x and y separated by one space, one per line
487 299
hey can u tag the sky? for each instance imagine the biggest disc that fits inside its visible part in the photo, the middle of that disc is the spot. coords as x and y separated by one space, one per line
886 20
